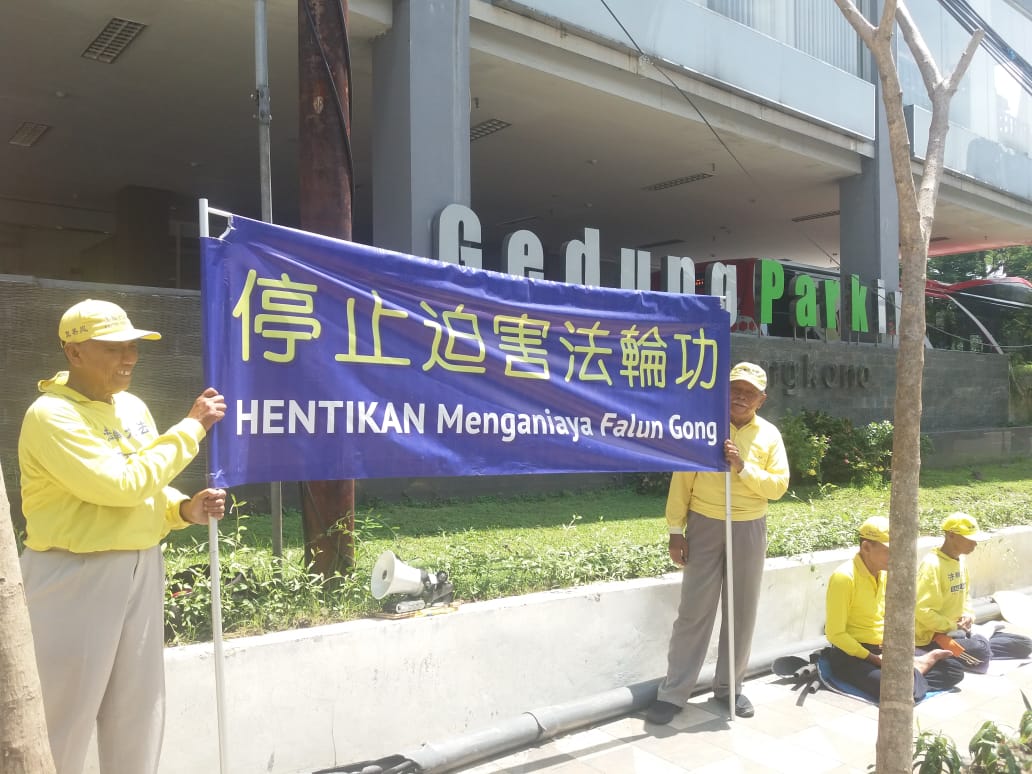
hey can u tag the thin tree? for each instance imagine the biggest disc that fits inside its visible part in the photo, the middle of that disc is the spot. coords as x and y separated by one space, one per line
916 214
24 745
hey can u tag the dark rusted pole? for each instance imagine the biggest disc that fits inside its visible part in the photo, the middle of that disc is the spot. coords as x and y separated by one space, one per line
327 187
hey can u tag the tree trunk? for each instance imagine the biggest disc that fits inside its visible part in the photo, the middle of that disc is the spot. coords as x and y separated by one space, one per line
325 197
24 746
916 215
896 715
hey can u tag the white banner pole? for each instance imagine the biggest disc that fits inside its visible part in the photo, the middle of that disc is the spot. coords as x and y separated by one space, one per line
730 609
216 590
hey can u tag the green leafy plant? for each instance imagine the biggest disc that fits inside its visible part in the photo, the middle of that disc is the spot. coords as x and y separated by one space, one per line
935 753
804 447
995 751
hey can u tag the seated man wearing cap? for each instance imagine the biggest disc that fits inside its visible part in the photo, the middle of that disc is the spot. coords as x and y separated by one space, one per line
855 622
695 514
943 617
95 494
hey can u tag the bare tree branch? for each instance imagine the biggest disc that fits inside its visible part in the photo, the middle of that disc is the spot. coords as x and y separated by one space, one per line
953 81
922 56
858 21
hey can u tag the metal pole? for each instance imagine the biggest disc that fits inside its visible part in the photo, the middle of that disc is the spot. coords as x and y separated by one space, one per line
216 591
261 93
730 610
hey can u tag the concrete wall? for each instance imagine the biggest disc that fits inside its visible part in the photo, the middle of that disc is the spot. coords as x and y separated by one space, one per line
308 699
963 391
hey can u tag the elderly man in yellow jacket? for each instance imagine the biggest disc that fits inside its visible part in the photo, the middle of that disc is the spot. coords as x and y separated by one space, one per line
695 514
944 618
95 476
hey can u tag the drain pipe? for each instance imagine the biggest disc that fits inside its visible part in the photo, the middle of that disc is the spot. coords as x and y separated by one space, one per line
532 727
548 722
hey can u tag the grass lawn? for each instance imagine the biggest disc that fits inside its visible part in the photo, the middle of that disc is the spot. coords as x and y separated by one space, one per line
494 547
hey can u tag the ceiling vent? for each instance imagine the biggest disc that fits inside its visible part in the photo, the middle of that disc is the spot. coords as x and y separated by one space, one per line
113 40
816 216
28 134
519 221
677 181
484 128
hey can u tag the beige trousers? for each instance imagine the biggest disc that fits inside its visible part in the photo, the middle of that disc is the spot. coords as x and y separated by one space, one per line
703 590
98 625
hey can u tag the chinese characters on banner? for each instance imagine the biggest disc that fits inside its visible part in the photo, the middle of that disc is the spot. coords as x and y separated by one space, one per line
344 361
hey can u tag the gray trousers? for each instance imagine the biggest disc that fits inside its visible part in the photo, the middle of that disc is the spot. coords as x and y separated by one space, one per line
99 630
702 589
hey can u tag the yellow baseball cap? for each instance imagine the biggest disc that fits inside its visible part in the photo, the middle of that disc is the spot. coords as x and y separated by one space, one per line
964 525
875 528
751 373
100 320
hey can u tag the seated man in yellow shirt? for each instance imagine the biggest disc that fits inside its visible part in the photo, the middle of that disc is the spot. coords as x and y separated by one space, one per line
943 607
855 622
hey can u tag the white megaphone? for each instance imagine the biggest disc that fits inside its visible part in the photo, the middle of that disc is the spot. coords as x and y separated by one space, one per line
419 587
393 576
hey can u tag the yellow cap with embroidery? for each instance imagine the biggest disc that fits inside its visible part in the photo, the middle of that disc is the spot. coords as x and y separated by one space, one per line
751 373
100 320
876 528
964 525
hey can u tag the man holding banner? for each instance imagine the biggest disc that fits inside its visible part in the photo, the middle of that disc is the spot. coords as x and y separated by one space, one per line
696 511
95 474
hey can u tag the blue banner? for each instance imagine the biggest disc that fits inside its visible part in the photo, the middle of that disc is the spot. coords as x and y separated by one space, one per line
341 361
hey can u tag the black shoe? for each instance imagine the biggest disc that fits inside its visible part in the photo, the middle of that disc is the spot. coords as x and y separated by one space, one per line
661 712
743 707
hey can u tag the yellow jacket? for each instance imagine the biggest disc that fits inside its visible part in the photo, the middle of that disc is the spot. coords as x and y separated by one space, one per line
855 608
764 477
95 475
942 595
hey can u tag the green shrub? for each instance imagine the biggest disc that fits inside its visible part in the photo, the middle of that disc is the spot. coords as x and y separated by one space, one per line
259 592
805 448
829 449
993 750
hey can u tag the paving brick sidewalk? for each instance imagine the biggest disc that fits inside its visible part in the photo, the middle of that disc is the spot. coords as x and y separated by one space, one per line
827 732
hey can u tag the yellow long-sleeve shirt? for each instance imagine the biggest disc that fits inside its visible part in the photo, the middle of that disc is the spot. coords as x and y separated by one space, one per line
855 608
764 478
95 475
942 595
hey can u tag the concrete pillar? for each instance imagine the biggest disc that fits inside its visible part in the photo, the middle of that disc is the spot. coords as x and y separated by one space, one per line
420 121
869 219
